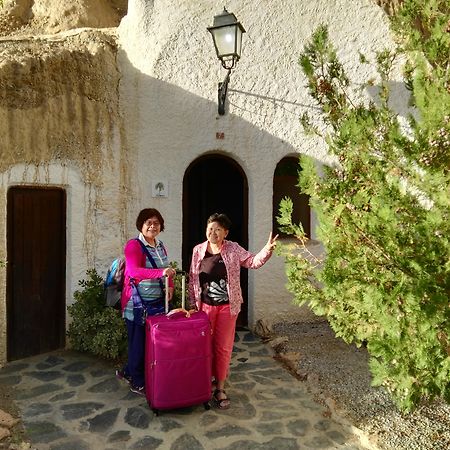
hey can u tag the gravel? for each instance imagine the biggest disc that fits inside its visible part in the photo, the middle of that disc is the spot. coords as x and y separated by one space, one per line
338 375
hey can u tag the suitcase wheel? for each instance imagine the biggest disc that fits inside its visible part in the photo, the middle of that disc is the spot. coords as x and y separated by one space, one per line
155 412
207 406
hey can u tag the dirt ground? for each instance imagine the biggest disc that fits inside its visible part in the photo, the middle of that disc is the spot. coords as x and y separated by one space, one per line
7 404
338 375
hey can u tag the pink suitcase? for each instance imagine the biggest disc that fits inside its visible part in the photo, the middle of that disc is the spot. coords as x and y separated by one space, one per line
177 359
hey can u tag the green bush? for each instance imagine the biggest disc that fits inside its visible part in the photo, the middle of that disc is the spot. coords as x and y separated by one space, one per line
383 209
95 328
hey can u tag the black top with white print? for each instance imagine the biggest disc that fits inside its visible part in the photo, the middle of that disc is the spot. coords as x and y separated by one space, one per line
213 280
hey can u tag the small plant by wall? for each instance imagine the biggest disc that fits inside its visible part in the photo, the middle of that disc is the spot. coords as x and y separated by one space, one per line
95 328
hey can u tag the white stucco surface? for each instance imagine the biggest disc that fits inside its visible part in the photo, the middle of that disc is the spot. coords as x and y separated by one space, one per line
169 94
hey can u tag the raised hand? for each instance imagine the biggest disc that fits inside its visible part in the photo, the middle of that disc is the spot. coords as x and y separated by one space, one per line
272 242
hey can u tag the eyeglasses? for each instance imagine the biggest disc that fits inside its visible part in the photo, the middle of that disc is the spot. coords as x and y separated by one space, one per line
149 222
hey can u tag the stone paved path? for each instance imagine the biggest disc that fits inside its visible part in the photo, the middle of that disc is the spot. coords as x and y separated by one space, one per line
72 401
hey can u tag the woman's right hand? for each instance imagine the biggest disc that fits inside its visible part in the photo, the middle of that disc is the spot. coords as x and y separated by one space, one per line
271 243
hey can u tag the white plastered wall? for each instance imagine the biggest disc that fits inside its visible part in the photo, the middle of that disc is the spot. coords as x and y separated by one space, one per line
169 98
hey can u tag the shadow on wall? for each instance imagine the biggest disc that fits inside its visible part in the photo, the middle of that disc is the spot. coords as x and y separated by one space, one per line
289 106
183 124
398 98
194 115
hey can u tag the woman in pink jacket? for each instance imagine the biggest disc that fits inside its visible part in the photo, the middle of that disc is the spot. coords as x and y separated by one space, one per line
214 287
146 263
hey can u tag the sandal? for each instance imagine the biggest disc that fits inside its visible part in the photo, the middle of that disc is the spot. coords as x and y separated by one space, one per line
222 403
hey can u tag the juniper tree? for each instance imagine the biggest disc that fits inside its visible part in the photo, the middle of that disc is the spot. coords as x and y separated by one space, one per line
383 208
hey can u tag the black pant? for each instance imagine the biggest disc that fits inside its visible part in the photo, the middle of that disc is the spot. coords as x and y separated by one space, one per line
136 353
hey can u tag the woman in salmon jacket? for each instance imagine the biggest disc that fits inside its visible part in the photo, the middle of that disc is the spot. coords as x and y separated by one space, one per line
214 287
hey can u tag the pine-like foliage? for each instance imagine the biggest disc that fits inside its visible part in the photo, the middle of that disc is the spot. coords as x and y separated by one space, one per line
383 208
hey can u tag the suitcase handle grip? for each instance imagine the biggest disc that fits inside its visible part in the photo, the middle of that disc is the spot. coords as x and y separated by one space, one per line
179 310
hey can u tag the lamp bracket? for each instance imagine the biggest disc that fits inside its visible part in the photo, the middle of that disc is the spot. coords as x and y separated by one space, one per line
222 93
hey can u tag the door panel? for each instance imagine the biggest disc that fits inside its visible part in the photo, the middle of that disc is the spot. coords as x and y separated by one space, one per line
36 246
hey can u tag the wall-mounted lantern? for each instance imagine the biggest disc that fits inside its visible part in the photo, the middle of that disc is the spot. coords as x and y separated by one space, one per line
227 35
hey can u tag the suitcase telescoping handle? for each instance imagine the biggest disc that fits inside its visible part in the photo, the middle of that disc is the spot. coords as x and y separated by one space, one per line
183 290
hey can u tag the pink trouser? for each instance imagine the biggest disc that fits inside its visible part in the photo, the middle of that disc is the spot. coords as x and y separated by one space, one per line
223 326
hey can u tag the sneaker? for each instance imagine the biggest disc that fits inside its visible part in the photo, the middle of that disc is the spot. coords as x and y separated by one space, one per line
120 374
138 390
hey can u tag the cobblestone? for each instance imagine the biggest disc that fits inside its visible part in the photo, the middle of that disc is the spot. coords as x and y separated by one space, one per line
70 400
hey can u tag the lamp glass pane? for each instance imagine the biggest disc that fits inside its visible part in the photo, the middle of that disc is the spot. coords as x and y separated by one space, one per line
225 39
238 41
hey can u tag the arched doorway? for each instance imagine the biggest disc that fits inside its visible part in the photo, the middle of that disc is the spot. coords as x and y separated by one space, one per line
285 181
215 183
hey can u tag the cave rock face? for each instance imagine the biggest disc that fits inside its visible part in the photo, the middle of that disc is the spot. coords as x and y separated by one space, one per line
54 16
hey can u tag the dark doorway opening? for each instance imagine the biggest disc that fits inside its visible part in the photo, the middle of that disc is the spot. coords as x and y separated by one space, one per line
285 182
36 254
215 183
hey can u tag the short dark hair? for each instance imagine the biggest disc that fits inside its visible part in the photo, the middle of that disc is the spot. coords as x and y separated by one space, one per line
221 219
145 214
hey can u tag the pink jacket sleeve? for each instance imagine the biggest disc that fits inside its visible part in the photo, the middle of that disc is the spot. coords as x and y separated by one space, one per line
250 260
135 262
135 268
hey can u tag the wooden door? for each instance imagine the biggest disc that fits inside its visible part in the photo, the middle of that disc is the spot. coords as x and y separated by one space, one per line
36 248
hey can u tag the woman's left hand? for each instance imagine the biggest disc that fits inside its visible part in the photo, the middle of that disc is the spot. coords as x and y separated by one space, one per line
272 242
169 272
170 293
